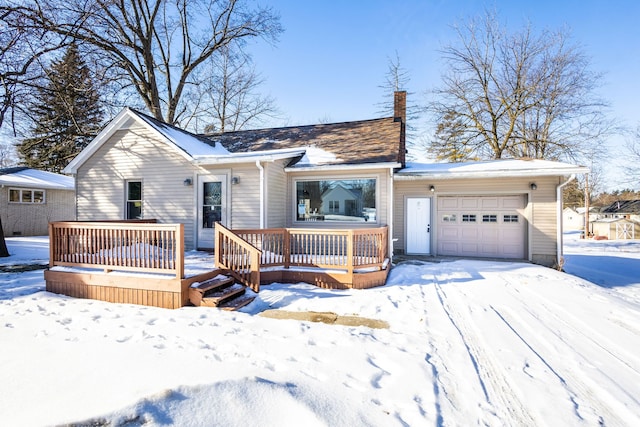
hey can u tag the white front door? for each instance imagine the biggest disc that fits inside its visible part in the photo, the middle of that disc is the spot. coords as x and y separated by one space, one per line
212 207
418 229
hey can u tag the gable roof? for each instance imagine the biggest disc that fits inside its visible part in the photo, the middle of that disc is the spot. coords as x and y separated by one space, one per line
623 207
347 143
489 169
34 178
182 142
358 142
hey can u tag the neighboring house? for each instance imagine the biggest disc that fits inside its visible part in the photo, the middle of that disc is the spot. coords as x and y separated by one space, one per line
629 209
31 198
573 219
138 167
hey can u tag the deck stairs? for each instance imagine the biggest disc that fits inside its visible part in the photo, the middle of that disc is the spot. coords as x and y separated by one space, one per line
221 291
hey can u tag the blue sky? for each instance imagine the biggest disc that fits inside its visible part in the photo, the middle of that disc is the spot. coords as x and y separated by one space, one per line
333 55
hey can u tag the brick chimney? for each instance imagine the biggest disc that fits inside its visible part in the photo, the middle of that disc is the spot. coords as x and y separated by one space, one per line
400 115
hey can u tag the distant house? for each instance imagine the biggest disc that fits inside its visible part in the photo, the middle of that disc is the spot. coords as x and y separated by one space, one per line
629 209
347 175
31 198
573 219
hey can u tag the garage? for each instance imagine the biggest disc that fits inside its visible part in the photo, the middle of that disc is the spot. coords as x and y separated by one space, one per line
482 226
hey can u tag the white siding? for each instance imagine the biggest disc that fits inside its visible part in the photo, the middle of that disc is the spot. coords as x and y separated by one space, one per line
136 154
245 197
276 189
540 212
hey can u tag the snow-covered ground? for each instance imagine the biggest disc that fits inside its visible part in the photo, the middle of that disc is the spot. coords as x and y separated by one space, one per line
469 343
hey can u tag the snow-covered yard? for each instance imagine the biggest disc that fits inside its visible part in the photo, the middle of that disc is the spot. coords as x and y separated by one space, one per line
469 343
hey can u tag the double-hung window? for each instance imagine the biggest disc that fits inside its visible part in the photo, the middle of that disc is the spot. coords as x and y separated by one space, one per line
134 200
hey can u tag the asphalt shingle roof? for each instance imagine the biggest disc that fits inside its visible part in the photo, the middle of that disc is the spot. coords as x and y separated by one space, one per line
366 141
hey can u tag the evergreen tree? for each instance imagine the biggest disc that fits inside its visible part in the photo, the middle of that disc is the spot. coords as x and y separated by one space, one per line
66 117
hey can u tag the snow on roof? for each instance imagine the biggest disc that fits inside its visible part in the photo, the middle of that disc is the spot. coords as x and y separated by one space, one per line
244 157
316 156
33 178
492 168
186 141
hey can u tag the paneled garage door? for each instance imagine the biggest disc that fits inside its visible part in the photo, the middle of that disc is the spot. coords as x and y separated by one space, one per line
482 226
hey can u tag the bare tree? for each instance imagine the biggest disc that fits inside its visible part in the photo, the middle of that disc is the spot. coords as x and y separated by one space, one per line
22 45
515 95
397 78
229 90
152 47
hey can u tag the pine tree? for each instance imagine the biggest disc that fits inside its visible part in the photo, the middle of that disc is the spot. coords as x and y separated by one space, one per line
66 118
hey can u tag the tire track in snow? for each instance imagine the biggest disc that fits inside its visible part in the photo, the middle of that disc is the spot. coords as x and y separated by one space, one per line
582 395
498 393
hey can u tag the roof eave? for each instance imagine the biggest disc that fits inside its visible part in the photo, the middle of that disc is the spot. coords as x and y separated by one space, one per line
344 167
235 158
408 176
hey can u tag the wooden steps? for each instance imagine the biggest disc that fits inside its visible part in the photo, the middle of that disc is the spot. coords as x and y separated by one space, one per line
220 291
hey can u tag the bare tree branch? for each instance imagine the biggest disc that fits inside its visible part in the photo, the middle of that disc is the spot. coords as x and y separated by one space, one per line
515 95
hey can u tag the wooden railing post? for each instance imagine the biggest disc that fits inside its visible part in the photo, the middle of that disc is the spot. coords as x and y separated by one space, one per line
179 251
350 245
52 244
286 254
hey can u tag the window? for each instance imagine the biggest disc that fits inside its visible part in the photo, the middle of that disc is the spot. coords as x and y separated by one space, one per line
489 218
18 195
510 218
351 200
211 203
449 218
468 218
134 200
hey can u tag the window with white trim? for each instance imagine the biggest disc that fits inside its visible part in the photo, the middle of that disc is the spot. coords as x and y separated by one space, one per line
27 196
510 218
347 200
134 200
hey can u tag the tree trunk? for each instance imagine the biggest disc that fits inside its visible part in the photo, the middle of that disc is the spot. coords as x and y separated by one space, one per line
4 252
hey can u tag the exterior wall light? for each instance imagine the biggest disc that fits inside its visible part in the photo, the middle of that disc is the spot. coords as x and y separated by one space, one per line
187 182
235 180
432 188
533 186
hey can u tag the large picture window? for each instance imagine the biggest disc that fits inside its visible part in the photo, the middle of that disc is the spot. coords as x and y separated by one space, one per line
134 199
336 200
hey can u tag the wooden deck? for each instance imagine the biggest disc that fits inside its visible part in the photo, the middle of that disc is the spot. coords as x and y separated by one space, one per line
143 263
334 259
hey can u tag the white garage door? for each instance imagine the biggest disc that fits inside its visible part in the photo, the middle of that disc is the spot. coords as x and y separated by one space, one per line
482 226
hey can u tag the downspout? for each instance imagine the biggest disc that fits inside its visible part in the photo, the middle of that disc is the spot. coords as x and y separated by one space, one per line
261 169
390 222
559 254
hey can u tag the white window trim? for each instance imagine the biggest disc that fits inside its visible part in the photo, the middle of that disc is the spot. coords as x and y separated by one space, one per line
296 180
127 200
32 202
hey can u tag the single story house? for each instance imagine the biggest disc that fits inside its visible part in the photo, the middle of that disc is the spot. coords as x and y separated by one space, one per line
139 167
573 218
30 198
629 209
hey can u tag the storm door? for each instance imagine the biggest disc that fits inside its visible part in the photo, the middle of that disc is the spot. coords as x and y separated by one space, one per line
211 207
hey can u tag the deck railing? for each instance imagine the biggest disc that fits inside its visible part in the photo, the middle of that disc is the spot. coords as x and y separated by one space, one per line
126 246
347 250
238 256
